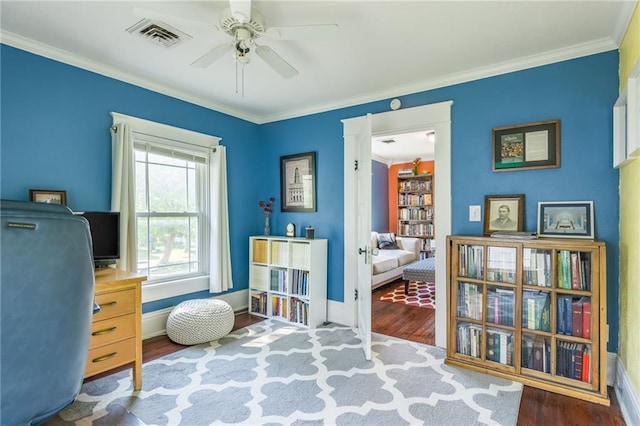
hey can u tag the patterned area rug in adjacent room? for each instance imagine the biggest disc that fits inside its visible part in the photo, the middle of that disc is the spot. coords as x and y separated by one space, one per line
421 294
281 374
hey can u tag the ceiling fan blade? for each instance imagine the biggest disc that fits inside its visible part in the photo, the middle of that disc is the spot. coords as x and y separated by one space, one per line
303 32
241 10
171 19
212 56
276 62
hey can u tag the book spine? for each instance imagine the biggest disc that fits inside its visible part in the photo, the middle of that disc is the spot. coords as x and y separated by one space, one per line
586 318
576 306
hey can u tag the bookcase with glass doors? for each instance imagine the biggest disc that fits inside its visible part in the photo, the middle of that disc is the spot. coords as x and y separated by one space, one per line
288 279
530 310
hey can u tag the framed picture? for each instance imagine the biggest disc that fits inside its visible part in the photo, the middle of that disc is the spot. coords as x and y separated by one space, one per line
503 213
298 182
48 196
566 219
526 146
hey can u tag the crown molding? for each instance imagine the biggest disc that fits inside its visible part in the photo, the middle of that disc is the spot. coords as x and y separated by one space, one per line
550 57
41 49
554 56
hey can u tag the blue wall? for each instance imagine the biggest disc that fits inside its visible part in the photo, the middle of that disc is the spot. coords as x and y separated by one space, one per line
53 137
379 197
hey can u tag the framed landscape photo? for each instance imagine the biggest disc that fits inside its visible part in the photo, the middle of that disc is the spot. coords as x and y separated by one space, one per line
526 146
566 219
298 182
503 213
48 196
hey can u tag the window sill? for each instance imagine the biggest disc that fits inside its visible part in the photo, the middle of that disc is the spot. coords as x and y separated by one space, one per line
167 289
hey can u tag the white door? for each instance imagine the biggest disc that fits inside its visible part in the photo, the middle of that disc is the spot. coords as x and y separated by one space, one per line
357 232
363 191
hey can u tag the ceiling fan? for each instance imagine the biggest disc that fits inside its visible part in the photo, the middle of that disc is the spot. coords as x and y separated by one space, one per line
245 25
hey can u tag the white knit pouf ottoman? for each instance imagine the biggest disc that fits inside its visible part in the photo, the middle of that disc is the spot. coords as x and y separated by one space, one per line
199 320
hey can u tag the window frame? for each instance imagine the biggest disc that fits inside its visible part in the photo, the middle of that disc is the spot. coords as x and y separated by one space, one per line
155 289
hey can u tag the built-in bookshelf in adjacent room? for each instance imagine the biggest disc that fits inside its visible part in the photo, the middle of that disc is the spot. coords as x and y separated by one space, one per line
415 210
288 279
532 310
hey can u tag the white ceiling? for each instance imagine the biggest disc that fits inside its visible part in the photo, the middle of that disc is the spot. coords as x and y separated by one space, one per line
384 49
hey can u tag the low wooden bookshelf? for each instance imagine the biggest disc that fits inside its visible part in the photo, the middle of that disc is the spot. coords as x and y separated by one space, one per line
288 279
530 310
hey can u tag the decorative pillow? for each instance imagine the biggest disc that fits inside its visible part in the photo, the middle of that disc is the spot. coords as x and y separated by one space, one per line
387 242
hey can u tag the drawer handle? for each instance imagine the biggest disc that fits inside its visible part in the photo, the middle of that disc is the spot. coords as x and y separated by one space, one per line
105 331
108 304
105 357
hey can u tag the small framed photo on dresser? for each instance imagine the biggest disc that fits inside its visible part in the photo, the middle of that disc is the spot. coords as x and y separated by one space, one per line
48 196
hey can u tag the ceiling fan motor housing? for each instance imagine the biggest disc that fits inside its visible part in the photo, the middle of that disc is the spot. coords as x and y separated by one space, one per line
230 25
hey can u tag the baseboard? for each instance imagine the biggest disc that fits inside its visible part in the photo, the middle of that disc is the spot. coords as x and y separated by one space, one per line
155 323
628 399
612 358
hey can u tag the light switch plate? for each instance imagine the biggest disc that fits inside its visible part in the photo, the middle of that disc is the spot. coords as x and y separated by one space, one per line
474 213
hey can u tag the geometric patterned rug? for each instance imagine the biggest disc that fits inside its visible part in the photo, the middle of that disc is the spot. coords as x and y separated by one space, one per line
281 374
421 294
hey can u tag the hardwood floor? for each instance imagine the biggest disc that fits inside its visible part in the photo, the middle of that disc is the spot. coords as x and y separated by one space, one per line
537 407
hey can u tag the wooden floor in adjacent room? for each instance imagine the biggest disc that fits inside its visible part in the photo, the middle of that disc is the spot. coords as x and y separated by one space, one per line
537 407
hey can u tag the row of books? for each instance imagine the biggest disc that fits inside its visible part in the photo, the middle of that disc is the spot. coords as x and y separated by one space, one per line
414 199
278 280
428 244
573 360
536 353
299 282
471 261
415 213
468 339
574 316
536 313
259 303
500 303
279 253
536 267
501 264
574 270
299 311
300 255
469 301
279 306
260 251
500 347
414 185
417 229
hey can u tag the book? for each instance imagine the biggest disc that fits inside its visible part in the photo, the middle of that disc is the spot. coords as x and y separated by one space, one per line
576 309
586 317
538 354
575 274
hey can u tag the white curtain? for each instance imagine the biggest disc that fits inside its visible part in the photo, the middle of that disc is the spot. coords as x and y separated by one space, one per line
220 254
123 193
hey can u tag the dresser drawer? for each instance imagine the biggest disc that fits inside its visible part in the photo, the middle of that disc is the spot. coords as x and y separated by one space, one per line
105 358
112 329
115 304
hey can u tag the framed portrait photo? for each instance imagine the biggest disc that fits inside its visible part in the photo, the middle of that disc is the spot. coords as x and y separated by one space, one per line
298 182
503 213
566 219
48 196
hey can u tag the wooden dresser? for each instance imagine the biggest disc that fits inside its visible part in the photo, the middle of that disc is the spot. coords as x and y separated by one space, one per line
116 332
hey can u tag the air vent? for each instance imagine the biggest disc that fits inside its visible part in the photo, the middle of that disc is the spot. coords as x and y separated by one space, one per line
388 140
159 33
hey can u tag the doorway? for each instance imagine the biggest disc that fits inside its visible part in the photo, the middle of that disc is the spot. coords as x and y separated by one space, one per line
402 206
437 117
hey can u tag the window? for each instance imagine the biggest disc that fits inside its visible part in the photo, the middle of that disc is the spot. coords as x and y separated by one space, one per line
170 186
170 211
